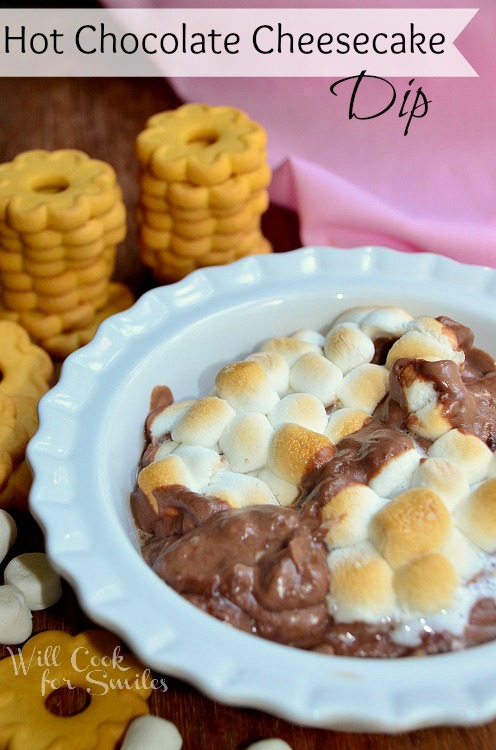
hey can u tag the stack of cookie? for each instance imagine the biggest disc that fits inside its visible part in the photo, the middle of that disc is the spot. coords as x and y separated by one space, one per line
203 191
61 217
26 374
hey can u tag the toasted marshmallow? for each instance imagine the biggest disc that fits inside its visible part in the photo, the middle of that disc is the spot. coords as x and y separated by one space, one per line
346 346
311 337
385 321
438 331
430 422
346 516
240 490
476 517
246 386
468 451
290 348
444 478
204 422
419 343
364 387
168 471
246 442
412 524
417 391
426 584
302 409
284 492
276 368
344 422
202 464
353 315
361 584
395 475
293 449
165 422
465 557
316 375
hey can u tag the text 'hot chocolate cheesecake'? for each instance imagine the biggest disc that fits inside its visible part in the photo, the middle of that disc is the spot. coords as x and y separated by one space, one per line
334 492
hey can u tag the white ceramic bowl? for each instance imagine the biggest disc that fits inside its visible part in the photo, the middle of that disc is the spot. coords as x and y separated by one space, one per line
90 439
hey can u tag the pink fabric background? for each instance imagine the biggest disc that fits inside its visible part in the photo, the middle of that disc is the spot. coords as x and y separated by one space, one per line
360 182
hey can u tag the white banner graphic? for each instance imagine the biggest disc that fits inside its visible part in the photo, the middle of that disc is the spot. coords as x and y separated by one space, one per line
207 42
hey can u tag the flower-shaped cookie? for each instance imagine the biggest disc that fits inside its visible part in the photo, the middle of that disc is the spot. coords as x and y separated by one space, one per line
58 190
201 144
113 685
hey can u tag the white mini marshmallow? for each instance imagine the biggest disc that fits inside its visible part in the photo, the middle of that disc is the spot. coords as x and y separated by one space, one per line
346 516
344 422
385 321
464 556
16 621
35 577
395 475
354 315
364 387
167 419
284 492
8 533
290 348
276 368
468 451
429 422
316 375
302 409
152 733
271 744
246 386
202 464
204 422
426 338
312 337
246 441
240 490
347 347
165 449
444 477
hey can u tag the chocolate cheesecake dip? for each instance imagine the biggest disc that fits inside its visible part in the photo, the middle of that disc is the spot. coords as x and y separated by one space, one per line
334 492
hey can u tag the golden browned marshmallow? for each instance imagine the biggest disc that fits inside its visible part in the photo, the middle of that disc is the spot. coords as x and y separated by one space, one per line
410 525
387 321
416 343
168 471
240 490
246 386
290 348
346 516
204 422
476 517
364 387
284 492
444 478
361 585
430 422
466 450
344 422
276 368
316 375
346 346
293 449
164 422
246 441
395 475
302 409
426 584
426 415
438 331
310 336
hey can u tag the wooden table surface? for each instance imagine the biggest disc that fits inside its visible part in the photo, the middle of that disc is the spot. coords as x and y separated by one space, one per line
102 117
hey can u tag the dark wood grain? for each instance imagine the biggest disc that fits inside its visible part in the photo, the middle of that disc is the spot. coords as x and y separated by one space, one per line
102 117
